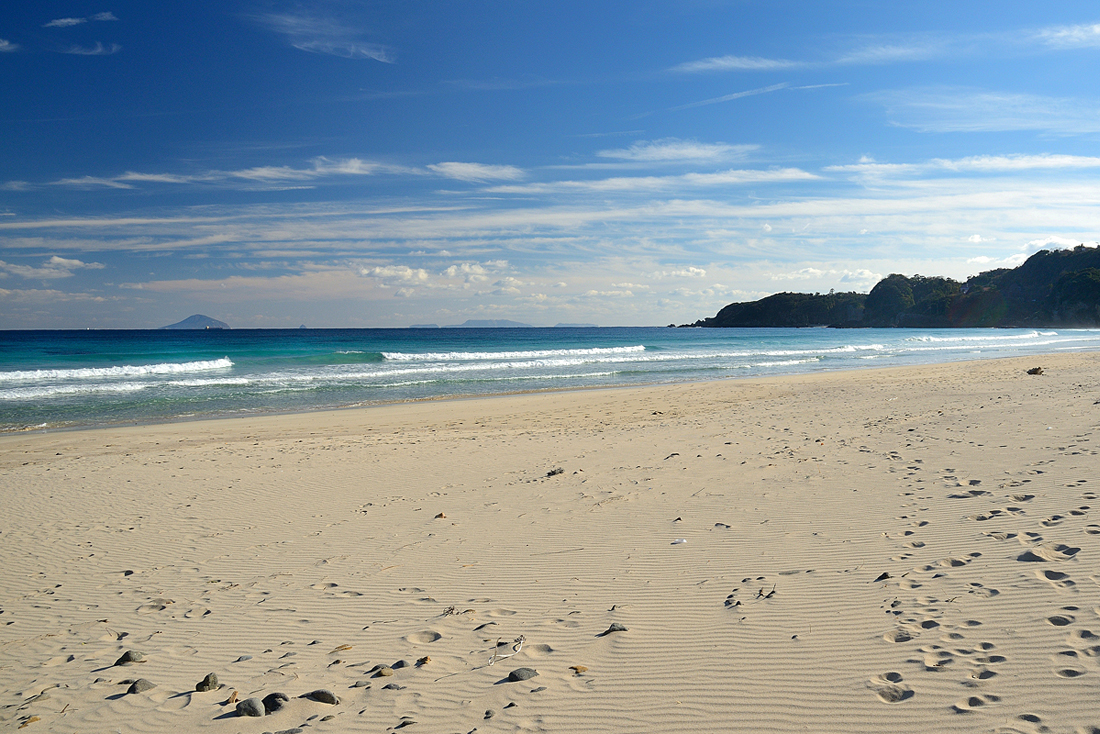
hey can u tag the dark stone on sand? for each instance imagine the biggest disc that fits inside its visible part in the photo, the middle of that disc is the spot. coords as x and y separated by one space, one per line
489 713
392 687
130 656
400 664
242 658
209 683
323 695
272 702
615 627
127 572
140 685
250 707
522 674
383 671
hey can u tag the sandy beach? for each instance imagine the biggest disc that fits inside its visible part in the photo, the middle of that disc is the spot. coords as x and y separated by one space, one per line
908 550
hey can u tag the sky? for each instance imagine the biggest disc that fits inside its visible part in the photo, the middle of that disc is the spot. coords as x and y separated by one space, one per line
340 163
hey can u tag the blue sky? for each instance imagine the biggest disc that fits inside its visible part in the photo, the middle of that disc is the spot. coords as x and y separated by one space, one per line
343 163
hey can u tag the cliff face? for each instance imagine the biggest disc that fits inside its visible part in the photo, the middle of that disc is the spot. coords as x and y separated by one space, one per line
1052 288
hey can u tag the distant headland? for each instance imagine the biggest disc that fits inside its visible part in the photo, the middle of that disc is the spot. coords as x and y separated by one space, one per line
198 321
1051 288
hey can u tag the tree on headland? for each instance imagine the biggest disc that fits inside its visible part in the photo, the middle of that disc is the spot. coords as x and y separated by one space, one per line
1051 288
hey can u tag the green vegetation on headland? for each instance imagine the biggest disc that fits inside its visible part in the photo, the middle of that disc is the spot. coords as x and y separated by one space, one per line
1051 288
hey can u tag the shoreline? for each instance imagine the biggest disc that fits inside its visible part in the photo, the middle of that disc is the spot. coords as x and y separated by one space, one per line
825 551
185 420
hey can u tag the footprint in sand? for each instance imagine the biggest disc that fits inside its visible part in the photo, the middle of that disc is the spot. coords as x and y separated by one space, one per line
1052 521
1049 552
500 613
1061 620
538 651
983 591
1092 529
888 688
974 703
1057 579
1024 724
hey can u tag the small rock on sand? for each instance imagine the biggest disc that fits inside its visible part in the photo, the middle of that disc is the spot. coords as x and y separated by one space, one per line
209 683
272 702
522 674
140 685
324 696
400 664
615 627
130 656
384 670
361 684
250 707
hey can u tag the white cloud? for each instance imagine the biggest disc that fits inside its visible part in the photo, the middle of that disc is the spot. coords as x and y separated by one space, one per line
104 16
729 97
889 53
1074 36
324 36
973 164
55 267
689 272
7 46
980 260
767 227
626 184
674 149
803 274
404 293
951 109
64 22
975 238
400 273
97 50
88 182
477 172
736 63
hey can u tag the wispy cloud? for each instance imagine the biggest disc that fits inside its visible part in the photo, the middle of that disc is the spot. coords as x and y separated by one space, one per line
70 22
626 184
322 168
477 172
669 150
1074 36
887 53
952 109
55 267
97 50
729 97
64 22
7 46
324 36
972 164
736 63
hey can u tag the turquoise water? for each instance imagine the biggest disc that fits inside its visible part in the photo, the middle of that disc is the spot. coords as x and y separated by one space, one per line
67 379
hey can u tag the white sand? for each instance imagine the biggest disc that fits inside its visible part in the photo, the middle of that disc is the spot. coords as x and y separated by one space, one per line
312 544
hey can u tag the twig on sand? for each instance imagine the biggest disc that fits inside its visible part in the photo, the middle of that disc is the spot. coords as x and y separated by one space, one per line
517 645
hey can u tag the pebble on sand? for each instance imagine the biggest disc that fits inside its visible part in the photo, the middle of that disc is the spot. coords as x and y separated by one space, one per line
522 674
130 656
272 702
250 707
209 683
384 670
141 685
324 696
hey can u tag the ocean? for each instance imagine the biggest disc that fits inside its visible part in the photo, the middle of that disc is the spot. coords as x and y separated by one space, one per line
71 379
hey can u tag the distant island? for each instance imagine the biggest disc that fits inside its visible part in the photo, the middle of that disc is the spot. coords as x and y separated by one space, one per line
198 321
1051 288
489 324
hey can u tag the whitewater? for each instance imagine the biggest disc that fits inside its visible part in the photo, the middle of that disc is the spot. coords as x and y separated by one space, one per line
68 379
